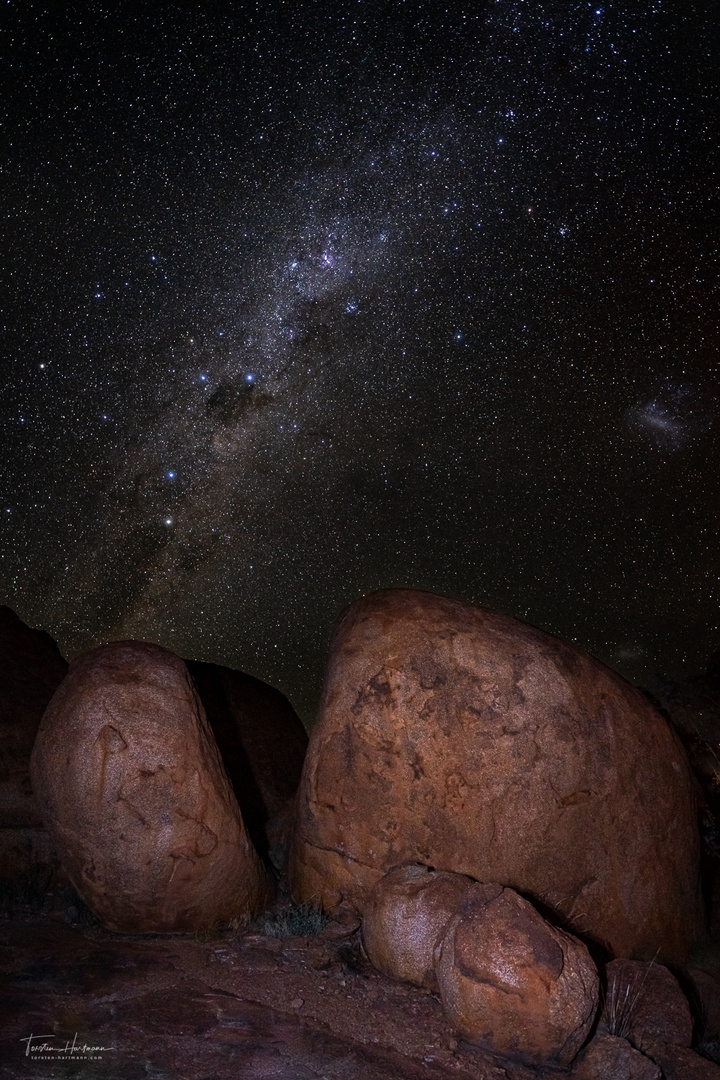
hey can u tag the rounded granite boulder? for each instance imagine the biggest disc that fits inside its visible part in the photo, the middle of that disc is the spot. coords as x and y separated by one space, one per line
512 983
465 740
135 796
404 918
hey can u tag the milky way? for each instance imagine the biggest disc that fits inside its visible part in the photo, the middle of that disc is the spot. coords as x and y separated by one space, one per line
302 305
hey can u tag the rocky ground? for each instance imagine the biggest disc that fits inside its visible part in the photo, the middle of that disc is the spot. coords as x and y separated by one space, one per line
241 1004
271 1001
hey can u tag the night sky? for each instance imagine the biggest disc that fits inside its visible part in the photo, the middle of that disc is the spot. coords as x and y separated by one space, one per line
301 300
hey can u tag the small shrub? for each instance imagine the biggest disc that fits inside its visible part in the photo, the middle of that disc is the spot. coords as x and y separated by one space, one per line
620 1005
212 931
240 924
300 920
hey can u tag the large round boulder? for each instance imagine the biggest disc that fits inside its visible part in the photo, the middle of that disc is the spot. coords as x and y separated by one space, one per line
133 792
512 983
468 741
405 917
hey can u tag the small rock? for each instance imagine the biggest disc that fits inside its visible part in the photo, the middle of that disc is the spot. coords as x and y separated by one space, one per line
405 917
297 1003
608 1057
512 983
707 989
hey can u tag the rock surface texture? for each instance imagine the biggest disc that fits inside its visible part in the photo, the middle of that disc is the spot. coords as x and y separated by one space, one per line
608 1057
512 983
262 743
680 1063
645 1004
135 796
465 740
405 917
31 669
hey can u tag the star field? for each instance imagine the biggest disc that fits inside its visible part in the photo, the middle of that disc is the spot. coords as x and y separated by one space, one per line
306 300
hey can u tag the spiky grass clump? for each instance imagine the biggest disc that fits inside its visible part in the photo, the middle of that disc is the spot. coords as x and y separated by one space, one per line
622 998
620 1007
212 932
299 920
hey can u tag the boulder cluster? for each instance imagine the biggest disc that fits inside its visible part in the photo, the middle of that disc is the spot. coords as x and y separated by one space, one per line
463 739
508 979
508 819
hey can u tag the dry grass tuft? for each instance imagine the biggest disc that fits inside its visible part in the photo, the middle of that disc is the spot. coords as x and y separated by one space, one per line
621 1001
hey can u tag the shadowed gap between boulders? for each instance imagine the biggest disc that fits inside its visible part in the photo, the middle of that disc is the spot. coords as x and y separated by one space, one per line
234 756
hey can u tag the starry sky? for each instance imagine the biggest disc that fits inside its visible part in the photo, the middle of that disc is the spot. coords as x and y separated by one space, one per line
301 300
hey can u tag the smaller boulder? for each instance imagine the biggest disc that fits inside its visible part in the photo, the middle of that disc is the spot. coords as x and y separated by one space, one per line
681 1063
707 995
608 1057
405 917
645 1004
136 799
512 983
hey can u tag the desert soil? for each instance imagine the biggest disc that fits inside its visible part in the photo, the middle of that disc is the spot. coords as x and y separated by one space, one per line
240 1005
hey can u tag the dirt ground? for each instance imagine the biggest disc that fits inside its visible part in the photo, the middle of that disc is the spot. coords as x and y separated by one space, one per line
245 1005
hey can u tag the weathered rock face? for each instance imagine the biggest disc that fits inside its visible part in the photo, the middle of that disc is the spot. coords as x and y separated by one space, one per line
512 983
31 669
705 990
645 1004
134 794
680 1063
405 917
608 1057
262 743
468 741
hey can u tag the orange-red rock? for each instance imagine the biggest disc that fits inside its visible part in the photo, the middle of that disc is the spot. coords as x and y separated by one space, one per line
466 740
404 918
134 793
512 983
262 743
31 669
607 1057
